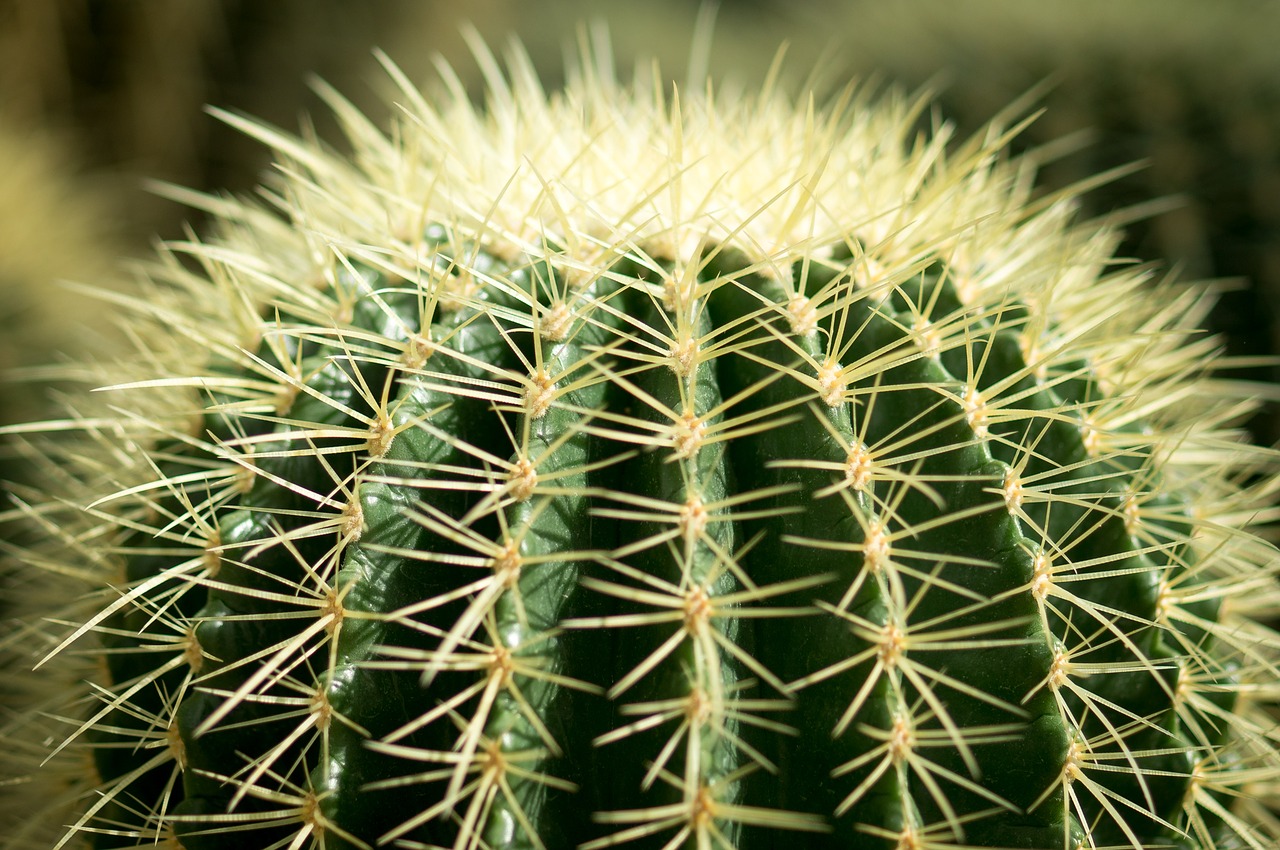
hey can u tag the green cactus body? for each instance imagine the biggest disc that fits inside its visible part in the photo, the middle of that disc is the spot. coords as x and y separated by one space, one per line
605 470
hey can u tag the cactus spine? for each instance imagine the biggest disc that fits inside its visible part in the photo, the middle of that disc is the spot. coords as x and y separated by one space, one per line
623 468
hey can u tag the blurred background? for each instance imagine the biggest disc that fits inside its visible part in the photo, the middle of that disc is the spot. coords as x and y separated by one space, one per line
97 96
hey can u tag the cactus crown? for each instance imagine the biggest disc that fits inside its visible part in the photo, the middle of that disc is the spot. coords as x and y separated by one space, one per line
624 467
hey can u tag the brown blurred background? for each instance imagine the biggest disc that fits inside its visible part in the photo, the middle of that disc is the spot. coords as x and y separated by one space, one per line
98 95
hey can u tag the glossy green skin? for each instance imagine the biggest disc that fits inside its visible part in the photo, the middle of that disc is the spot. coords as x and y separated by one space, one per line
970 568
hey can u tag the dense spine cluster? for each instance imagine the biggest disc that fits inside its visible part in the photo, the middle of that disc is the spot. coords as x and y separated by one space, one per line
619 468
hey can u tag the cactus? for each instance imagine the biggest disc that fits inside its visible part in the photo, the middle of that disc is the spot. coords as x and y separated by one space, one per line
628 467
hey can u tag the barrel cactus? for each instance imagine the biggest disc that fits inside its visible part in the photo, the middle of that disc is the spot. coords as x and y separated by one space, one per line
649 467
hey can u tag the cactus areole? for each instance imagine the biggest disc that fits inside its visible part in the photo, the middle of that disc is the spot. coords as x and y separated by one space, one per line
634 468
